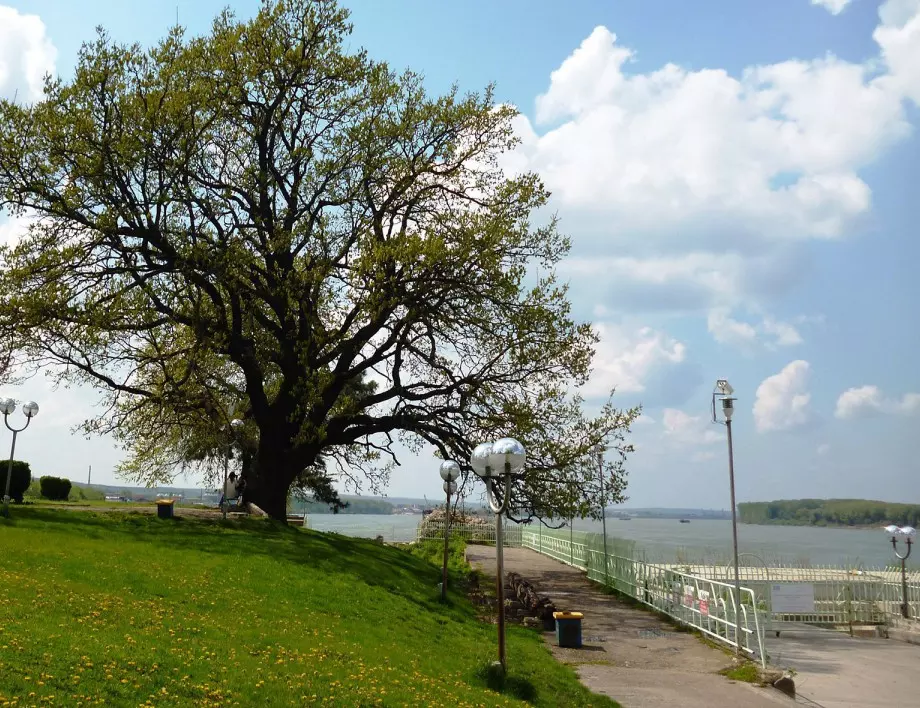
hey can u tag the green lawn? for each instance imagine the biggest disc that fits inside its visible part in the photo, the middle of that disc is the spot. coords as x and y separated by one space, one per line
125 609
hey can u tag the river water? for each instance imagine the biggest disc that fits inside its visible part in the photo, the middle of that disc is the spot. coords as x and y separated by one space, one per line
668 540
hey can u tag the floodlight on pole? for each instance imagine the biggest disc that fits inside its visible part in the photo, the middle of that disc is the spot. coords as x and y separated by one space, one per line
7 407
724 390
599 453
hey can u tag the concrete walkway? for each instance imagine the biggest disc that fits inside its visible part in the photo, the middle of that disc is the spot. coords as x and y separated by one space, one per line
837 671
629 654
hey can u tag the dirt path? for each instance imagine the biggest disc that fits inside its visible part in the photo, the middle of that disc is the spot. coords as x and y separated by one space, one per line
628 653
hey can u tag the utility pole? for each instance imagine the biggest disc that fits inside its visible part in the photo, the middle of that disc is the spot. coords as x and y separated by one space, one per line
89 477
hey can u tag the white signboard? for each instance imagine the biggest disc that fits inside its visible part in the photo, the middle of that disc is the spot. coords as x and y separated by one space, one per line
793 598
704 602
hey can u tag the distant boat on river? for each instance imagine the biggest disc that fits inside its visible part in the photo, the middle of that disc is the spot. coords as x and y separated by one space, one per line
685 521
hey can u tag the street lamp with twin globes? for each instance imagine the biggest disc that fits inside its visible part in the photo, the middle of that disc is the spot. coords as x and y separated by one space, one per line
30 410
450 472
907 534
495 463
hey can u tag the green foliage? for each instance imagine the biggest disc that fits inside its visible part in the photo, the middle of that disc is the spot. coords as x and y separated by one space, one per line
55 488
20 480
260 217
433 552
829 512
111 609
80 492
747 672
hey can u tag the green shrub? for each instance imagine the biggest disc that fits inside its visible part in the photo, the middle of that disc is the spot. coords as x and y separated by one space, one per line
432 550
20 481
55 488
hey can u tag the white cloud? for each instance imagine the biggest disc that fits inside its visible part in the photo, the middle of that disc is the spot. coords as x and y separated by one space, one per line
14 228
725 330
703 456
26 55
823 449
784 333
867 400
782 399
835 7
688 429
625 359
704 183
770 333
898 36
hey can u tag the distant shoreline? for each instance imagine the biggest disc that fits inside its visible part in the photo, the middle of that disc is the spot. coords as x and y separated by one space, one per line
855 527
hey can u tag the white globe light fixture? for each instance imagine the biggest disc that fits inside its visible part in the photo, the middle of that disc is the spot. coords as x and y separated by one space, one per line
450 471
479 460
7 408
905 534
507 456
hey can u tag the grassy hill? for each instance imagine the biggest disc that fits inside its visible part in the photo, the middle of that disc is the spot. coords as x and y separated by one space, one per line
131 610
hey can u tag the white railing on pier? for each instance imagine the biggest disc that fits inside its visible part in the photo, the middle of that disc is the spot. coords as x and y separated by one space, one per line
705 604
473 533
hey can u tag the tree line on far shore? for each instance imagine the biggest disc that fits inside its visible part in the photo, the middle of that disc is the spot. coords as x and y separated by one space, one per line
829 512
352 506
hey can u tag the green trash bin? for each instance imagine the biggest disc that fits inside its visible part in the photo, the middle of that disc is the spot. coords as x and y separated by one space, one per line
165 508
568 629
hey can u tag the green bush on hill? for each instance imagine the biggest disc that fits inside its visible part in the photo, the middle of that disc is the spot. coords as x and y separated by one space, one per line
19 482
55 488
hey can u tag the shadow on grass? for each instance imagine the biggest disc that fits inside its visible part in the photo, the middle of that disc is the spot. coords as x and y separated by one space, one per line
395 570
496 680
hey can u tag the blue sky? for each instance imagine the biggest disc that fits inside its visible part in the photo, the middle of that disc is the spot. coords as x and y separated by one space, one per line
739 180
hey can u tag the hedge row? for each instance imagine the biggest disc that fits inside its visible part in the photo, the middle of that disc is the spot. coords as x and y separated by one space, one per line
20 481
55 488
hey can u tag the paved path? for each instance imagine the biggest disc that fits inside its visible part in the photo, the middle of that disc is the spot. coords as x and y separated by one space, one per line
837 671
629 654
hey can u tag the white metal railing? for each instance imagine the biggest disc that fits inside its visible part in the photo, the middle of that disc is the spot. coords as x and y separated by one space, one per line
842 596
472 533
706 604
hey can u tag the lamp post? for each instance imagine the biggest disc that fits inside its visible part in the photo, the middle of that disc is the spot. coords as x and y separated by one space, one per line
599 451
450 471
7 406
235 426
724 390
906 534
509 456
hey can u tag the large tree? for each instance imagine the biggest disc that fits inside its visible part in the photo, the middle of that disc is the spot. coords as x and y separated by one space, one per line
260 217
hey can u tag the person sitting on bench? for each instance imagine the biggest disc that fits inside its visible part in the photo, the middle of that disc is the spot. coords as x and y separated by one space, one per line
232 491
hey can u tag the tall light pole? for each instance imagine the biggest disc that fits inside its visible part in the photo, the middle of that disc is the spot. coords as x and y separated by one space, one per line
7 406
724 391
450 471
599 451
906 534
508 455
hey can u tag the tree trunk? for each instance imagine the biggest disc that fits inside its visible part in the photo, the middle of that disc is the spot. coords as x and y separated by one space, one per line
269 478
